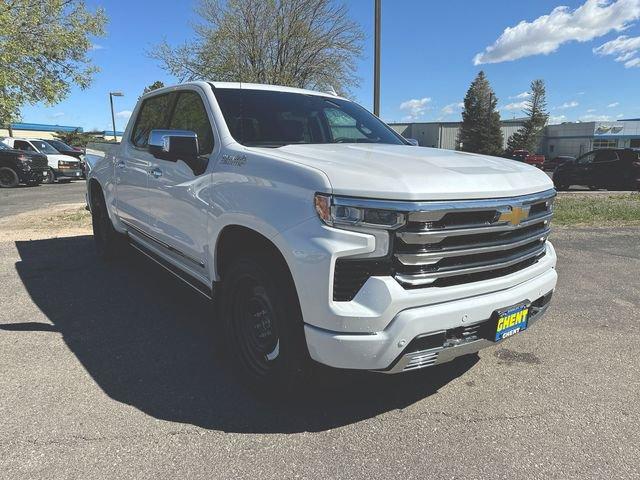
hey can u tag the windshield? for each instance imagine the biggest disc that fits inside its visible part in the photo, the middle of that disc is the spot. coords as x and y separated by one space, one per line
266 118
3 146
43 147
60 146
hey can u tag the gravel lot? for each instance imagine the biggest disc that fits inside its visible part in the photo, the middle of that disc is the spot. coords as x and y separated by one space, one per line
110 372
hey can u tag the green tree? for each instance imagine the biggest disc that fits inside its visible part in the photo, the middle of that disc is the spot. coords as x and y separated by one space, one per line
299 43
154 86
75 138
480 131
44 47
528 136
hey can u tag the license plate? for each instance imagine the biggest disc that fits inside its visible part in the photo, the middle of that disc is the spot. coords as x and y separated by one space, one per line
511 321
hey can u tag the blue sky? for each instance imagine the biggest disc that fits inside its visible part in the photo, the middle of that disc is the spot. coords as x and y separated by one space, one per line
588 54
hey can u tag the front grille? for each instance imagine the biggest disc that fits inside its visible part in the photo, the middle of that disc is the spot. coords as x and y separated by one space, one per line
39 163
455 242
448 243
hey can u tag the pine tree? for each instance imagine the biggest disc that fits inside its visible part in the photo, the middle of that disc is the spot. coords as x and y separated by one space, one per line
480 131
528 137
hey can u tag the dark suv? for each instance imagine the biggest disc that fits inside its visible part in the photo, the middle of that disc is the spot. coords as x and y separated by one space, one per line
17 167
610 168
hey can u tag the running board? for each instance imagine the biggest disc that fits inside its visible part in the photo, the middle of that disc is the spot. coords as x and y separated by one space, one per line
194 283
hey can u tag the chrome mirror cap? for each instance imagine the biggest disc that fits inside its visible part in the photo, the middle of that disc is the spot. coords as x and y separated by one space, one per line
161 139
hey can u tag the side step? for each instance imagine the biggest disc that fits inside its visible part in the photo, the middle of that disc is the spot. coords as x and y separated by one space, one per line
194 283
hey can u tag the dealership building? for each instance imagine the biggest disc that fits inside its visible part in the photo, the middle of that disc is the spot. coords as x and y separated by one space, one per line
46 131
570 138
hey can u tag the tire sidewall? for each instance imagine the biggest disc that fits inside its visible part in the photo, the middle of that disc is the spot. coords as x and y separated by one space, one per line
292 361
15 180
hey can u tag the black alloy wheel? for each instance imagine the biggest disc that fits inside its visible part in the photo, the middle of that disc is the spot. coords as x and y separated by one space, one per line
108 242
8 178
264 334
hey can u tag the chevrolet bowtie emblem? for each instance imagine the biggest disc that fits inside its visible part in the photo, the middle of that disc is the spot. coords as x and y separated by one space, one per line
515 215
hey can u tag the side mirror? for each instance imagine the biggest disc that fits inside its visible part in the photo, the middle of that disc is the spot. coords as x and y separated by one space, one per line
413 141
173 145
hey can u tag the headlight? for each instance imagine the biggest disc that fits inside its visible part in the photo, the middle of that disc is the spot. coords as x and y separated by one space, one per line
360 216
348 212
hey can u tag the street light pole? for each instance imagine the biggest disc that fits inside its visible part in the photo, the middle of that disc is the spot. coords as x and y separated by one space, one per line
113 117
376 60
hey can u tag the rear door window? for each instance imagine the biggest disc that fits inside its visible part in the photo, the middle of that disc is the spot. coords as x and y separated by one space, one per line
153 115
605 156
190 114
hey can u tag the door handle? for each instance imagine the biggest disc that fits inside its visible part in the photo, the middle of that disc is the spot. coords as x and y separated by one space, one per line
120 164
155 172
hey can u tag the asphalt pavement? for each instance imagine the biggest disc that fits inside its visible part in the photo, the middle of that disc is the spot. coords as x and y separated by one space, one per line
23 199
110 371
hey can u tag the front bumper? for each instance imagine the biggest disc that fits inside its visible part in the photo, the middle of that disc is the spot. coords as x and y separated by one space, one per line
68 173
32 175
391 350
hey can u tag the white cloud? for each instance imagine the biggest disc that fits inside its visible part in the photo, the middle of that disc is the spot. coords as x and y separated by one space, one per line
626 56
619 45
591 110
124 114
557 119
613 105
415 108
624 48
595 118
516 105
522 95
565 105
452 108
545 34
580 93
620 115
635 62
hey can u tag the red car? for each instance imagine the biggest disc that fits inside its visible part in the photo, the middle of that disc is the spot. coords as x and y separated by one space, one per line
526 157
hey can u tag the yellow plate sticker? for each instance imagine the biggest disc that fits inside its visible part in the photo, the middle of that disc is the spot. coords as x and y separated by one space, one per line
512 321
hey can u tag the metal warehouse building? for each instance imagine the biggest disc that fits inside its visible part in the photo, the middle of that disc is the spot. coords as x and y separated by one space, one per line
577 138
571 138
445 134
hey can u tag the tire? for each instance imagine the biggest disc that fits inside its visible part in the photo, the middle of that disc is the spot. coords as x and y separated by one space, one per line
561 186
262 325
49 177
8 178
109 243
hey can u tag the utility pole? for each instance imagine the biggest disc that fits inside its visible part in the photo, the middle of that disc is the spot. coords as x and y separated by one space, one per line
376 60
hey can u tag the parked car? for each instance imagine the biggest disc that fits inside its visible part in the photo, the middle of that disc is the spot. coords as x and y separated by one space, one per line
320 233
61 167
526 157
65 149
553 163
610 168
20 167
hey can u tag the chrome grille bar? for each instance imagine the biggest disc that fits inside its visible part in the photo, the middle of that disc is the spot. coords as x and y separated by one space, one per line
426 278
435 236
428 258
444 240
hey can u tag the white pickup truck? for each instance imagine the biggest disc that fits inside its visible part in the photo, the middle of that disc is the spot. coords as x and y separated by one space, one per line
320 233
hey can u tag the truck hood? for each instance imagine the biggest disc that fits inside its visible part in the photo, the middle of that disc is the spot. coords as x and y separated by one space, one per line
400 172
58 157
